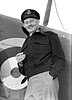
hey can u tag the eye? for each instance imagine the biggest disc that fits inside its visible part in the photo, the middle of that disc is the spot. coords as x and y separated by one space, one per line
32 20
26 22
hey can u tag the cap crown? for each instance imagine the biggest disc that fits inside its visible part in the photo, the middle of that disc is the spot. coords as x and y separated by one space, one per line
30 13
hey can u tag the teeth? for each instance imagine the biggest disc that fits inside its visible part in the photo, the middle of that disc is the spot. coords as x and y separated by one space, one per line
30 27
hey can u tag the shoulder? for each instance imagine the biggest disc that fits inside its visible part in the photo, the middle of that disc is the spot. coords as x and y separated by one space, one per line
52 35
47 32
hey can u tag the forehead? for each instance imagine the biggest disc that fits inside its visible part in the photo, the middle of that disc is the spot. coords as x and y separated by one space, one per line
29 19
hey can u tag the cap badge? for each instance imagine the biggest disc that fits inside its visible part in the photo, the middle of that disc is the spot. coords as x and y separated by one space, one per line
28 12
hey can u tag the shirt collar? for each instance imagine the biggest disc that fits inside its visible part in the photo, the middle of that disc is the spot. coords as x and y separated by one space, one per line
41 31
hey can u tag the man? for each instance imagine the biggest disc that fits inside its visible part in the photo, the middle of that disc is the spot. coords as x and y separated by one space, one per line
41 59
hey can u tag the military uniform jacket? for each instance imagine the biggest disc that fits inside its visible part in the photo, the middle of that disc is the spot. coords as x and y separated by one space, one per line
43 53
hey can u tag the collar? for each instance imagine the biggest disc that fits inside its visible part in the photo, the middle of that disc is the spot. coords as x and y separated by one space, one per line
39 30
42 31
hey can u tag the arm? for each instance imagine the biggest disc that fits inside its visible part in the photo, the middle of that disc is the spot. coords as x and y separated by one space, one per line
58 57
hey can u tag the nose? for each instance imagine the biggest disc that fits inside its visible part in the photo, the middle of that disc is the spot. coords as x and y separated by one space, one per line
29 23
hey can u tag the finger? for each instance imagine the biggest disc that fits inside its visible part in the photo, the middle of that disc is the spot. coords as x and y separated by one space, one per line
20 58
23 55
19 54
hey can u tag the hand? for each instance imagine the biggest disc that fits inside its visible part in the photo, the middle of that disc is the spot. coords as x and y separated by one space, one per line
20 57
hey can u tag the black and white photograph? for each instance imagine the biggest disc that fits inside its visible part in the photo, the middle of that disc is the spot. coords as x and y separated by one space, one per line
35 49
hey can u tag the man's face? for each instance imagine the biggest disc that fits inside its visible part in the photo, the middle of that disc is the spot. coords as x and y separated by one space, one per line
31 24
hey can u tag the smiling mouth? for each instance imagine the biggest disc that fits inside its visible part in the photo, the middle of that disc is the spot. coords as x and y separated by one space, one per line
30 27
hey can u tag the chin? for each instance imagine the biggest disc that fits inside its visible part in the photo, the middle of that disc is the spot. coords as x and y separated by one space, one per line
31 30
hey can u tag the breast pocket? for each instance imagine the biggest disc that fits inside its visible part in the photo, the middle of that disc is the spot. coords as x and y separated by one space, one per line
41 46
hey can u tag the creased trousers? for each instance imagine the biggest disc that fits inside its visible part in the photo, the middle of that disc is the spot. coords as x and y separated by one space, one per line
42 87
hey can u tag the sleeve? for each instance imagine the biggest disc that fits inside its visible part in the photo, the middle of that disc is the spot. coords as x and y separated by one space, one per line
58 57
21 64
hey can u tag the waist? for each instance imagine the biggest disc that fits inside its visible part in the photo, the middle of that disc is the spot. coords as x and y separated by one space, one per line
40 75
31 71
